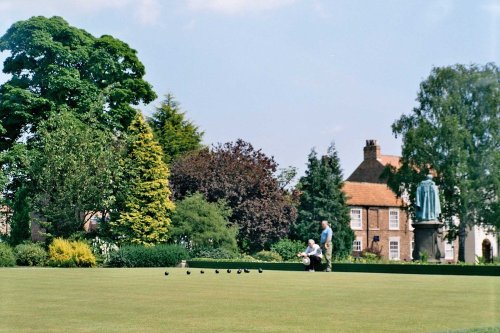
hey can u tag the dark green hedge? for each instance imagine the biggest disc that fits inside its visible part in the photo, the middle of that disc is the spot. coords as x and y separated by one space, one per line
360 268
148 256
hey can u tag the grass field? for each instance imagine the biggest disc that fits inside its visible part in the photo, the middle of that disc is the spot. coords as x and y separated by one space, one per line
144 300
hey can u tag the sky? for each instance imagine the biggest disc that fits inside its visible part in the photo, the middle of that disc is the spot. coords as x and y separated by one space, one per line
288 75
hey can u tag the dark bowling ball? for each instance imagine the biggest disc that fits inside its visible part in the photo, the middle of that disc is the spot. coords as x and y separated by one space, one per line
229 271
166 273
246 270
260 270
202 272
239 271
188 272
216 271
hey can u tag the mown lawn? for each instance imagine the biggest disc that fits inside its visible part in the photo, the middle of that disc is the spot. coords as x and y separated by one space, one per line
145 300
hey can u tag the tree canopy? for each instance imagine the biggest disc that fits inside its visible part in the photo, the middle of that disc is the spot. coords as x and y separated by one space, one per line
144 203
321 198
72 170
454 134
175 134
55 66
243 177
199 224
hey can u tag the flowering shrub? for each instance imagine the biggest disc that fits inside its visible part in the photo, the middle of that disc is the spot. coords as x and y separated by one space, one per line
103 249
63 253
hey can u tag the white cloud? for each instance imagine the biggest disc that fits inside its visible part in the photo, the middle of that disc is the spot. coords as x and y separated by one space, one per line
145 11
493 8
237 6
149 11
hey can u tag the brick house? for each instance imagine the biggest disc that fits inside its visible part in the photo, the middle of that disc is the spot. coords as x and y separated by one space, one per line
378 217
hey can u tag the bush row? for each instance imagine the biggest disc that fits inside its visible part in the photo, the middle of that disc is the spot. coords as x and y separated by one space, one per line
163 255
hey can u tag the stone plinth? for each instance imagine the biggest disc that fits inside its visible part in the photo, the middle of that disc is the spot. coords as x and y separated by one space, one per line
427 240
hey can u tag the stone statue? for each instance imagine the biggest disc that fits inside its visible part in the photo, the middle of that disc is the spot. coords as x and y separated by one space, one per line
427 203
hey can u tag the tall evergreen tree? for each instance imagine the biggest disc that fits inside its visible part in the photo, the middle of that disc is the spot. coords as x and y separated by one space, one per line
145 204
175 134
20 220
322 198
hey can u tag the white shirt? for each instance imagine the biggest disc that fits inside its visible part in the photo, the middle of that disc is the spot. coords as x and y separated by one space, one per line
315 250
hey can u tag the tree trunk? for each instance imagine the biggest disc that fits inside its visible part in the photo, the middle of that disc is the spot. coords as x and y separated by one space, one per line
462 233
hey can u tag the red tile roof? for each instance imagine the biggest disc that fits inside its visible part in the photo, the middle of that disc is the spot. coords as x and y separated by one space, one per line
370 194
390 159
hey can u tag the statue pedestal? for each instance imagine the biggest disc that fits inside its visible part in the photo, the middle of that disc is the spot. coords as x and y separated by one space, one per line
427 240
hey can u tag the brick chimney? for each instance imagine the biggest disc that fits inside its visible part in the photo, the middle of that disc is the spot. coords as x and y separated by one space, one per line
371 150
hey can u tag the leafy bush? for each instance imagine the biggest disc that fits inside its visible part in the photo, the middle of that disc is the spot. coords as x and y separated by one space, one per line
267 256
148 256
219 253
102 249
30 254
6 256
63 253
287 248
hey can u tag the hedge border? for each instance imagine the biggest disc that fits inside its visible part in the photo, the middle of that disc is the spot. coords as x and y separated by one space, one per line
358 268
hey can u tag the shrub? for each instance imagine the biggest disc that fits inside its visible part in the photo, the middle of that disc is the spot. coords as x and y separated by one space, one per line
162 255
102 249
267 256
288 249
63 253
30 254
219 253
6 256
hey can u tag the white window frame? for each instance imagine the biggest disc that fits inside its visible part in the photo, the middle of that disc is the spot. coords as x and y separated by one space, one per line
394 239
360 241
412 247
393 226
360 225
448 247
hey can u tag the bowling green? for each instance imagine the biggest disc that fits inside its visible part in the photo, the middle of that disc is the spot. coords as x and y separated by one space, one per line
145 300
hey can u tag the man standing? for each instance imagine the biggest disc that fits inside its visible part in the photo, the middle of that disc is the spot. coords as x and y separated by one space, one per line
326 244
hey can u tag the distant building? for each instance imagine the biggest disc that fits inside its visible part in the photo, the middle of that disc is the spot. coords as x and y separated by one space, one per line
379 219
5 213
481 242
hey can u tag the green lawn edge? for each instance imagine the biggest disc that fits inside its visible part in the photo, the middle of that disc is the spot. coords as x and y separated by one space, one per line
357 268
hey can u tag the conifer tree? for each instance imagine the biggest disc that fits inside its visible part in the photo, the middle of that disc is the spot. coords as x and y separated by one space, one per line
175 134
144 205
322 198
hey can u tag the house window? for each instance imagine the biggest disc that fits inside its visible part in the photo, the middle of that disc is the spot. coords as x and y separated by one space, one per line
393 248
356 245
356 219
394 219
448 251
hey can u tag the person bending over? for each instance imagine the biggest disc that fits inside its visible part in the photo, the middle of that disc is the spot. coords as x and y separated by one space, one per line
313 252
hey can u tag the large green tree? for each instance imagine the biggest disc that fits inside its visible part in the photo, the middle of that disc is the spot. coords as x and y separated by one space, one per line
175 134
72 173
55 66
454 134
144 205
199 224
244 178
321 198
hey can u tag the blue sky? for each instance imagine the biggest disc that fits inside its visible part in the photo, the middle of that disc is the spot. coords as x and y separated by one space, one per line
288 75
